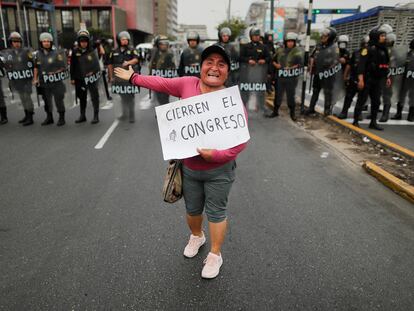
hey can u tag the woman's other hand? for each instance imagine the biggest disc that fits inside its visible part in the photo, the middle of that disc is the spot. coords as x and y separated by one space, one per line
206 154
123 73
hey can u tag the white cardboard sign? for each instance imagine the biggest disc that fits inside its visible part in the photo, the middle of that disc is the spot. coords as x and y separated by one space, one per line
213 120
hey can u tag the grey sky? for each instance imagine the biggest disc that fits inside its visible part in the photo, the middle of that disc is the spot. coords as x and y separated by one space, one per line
212 12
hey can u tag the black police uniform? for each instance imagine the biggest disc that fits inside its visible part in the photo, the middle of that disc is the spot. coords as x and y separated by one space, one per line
407 87
190 62
352 83
3 107
374 66
116 58
82 61
52 71
162 64
325 69
255 51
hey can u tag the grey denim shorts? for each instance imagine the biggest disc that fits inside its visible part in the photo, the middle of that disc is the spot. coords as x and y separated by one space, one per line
208 190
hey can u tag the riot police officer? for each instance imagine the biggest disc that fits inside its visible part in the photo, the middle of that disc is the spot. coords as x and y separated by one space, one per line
407 87
394 75
254 57
124 56
18 62
162 64
373 67
224 35
344 55
85 73
269 42
325 65
191 56
50 70
3 107
287 63
351 77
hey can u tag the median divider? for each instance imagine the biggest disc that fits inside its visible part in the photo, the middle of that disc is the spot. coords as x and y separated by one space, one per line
397 185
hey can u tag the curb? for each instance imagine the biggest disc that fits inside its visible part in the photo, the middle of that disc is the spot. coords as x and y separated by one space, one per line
382 141
395 184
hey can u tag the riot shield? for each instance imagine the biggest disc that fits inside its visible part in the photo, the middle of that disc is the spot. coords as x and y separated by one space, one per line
190 62
90 67
253 86
52 68
18 64
398 58
329 71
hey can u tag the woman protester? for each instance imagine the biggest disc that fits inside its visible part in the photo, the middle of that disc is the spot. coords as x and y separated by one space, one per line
208 177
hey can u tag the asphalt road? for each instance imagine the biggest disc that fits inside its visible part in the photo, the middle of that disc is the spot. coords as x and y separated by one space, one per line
86 229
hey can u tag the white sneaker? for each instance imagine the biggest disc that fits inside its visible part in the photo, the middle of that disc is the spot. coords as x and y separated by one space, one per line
194 245
212 266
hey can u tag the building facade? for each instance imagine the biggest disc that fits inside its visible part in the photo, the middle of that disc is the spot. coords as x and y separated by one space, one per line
165 18
105 18
401 18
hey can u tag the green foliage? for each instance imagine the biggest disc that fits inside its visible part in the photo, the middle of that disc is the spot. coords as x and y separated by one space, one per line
236 25
315 35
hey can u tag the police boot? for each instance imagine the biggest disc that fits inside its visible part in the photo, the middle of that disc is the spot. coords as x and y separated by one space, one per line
398 115
95 117
386 113
82 117
344 113
410 117
3 115
373 125
292 114
29 120
25 117
132 113
327 111
48 120
274 114
61 120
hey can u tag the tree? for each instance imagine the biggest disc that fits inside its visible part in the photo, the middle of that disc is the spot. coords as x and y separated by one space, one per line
236 25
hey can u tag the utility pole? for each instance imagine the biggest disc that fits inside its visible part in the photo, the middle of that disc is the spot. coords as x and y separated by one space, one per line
272 14
2 26
19 17
229 11
306 60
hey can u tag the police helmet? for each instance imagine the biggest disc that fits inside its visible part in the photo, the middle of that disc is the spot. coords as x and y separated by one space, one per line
243 40
83 34
162 40
193 35
364 41
330 32
254 31
45 36
377 31
391 38
291 36
15 36
225 31
385 28
269 33
343 38
123 35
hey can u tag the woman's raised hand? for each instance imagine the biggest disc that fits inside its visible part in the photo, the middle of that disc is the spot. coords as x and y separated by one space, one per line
123 73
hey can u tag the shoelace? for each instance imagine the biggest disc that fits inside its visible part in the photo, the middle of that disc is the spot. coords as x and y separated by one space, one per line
193 242
209 261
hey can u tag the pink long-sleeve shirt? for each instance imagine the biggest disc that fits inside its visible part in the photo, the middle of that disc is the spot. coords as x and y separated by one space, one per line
185 87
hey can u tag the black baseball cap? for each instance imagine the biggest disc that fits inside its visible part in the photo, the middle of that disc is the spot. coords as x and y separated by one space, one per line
215 48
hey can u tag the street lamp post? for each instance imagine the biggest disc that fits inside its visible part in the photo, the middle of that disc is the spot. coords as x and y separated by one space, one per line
306 58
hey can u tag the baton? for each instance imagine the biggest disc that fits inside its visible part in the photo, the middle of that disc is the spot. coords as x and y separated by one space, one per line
37 96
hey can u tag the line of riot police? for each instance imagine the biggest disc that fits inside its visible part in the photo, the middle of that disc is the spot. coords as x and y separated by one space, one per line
48 67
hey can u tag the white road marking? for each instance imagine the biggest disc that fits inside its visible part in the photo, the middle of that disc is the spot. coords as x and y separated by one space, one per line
108 133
